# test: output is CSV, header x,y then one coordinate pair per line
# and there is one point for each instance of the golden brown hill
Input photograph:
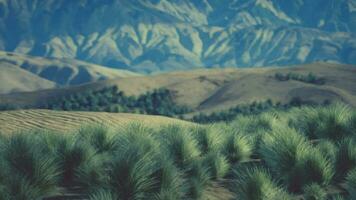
x,y
28,73
216,89
64,122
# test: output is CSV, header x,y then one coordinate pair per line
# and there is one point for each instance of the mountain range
x,y
150,36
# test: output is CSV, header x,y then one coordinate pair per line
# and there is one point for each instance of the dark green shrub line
x,y
156,102
251,109
310,78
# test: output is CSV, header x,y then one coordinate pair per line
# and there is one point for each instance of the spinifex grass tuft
x,y
218,165
209,139
136,164
99,137
255,183
311,167
34,172
280,150
180,145
71,155
331,122
314,192
172,185
351,184
345,157
237,148
328,149
103,195
292,158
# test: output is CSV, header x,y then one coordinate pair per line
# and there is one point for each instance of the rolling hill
x,y
28,73
212,90
166,35
64,122
15,79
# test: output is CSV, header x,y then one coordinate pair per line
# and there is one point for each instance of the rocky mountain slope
x,y
165,35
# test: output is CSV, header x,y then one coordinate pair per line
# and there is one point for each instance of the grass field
x,y
305,153
62,121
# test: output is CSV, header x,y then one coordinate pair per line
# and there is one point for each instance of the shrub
x,y
310,78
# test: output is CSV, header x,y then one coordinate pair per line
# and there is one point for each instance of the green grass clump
x,y
172,185
328,149
351,184
330,122
237,148
103,195
131,175
314,192
198,179
218,165
255,124
98,137
345,157
290,156
180,145
33,172
71,154
280,149
209,139
311,167
254,183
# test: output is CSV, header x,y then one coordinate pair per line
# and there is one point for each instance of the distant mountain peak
x,y
165,35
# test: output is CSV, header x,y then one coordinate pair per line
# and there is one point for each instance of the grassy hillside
x,y
306,153
213,90
62,72
15,79
65,122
